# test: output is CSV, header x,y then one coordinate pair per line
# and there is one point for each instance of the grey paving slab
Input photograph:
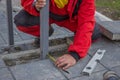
x,y
16,37
111,29
2,5
5,74
76,70
3,22
95,76
100,17
1,40
37,74
3,26
25,36
81,78
111,57
41,70
116,70
22,35
60,32
2,64
98,75
15,5
4,38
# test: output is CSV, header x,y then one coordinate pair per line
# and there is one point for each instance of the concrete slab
x,y
98,75
41,70
2,64
95,76
3,21
22,35
111,29
25,36
76,70
5,74
17,38
100,17
60,32
1,41
111,57
116,70
2,5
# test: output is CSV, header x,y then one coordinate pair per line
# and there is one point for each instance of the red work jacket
x,y
82,24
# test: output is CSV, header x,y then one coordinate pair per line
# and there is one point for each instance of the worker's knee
x,y
96,33
23,18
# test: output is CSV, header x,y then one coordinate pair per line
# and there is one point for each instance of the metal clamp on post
x,y
93,62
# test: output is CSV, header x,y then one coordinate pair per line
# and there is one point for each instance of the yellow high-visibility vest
x,y
61,3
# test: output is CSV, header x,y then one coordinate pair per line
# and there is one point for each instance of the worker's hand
x,y
40,4
65,61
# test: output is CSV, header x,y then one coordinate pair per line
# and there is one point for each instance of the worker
x,y
110,75
75,15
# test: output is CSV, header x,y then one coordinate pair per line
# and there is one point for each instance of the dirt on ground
x,y
110,8
113,14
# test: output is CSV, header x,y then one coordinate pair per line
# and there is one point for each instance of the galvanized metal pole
x,y
44,30
10,22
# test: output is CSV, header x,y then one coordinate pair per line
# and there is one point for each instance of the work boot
x,y
110,75
36,42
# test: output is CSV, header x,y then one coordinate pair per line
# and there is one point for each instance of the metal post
x,y
44,30
10,22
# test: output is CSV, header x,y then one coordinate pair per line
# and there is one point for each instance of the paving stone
x,y
116,70
5,37
1,41
98,75
111,29
111,57
100,17
81,78
2,64
3,21
94,76
22,36
17,38
60,32
76,70
2,5
25,36
41,70
5,74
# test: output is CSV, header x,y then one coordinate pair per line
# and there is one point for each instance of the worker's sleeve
x,y
28,5
86,21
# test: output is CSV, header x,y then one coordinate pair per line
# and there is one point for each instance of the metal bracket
x,y
93,62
